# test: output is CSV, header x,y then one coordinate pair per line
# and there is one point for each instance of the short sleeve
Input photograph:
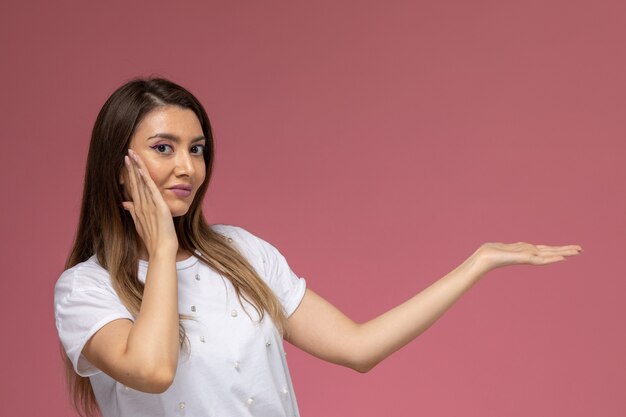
x,y
273,267
288,287
83,304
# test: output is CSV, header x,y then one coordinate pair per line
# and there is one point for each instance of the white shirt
x,y
236,366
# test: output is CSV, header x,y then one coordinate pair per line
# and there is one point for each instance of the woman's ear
x,y
121,181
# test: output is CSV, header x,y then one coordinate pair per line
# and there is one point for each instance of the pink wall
x,y
377,146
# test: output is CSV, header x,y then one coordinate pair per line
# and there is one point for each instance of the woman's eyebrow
x,y
174,138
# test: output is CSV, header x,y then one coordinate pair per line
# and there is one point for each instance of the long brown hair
x,y
108,231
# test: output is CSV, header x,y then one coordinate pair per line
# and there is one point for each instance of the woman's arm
x,y
144,355
320,329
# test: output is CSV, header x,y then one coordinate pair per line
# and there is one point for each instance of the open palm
x,y
496,255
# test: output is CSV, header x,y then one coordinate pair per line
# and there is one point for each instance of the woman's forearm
x,y
385,334
324,331
153,340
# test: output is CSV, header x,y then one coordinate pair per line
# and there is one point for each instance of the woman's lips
x,y
180,192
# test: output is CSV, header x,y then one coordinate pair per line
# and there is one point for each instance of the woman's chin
x,y
179,211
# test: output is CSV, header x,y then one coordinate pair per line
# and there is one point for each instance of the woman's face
x,y
170,142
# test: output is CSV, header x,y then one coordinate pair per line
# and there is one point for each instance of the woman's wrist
x,y
478,263
164,253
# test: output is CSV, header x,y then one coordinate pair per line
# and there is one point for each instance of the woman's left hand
x,y
496,255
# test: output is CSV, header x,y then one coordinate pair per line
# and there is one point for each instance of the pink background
x,y
377,145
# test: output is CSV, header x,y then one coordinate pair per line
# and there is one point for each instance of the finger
x,y
564,251
539,258
550,259
143,179
556,248
545,250
145,189
141,189
133,186
130,189
152,192
578,247
137,171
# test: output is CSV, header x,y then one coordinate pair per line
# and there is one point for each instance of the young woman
x,y
161,314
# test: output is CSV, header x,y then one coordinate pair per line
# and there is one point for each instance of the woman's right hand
x,y
152,217
143,353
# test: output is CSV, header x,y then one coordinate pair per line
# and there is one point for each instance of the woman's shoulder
x,y
230,230
237,234
249,242
84,276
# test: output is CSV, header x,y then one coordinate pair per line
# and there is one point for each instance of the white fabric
x,y
236,366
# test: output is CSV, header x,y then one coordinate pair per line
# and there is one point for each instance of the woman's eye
x,y
161,148
197,149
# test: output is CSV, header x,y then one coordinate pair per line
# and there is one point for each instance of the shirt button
x,y
250,401
268,343
236,365
193,308
233,313
230,240
202,339
197,277
285,390
181,405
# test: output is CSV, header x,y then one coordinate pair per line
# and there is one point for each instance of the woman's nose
x,y
184,164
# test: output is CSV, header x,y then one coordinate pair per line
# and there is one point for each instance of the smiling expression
x,y
170,142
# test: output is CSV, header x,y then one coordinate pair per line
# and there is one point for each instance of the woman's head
x,y
170,142
170,130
